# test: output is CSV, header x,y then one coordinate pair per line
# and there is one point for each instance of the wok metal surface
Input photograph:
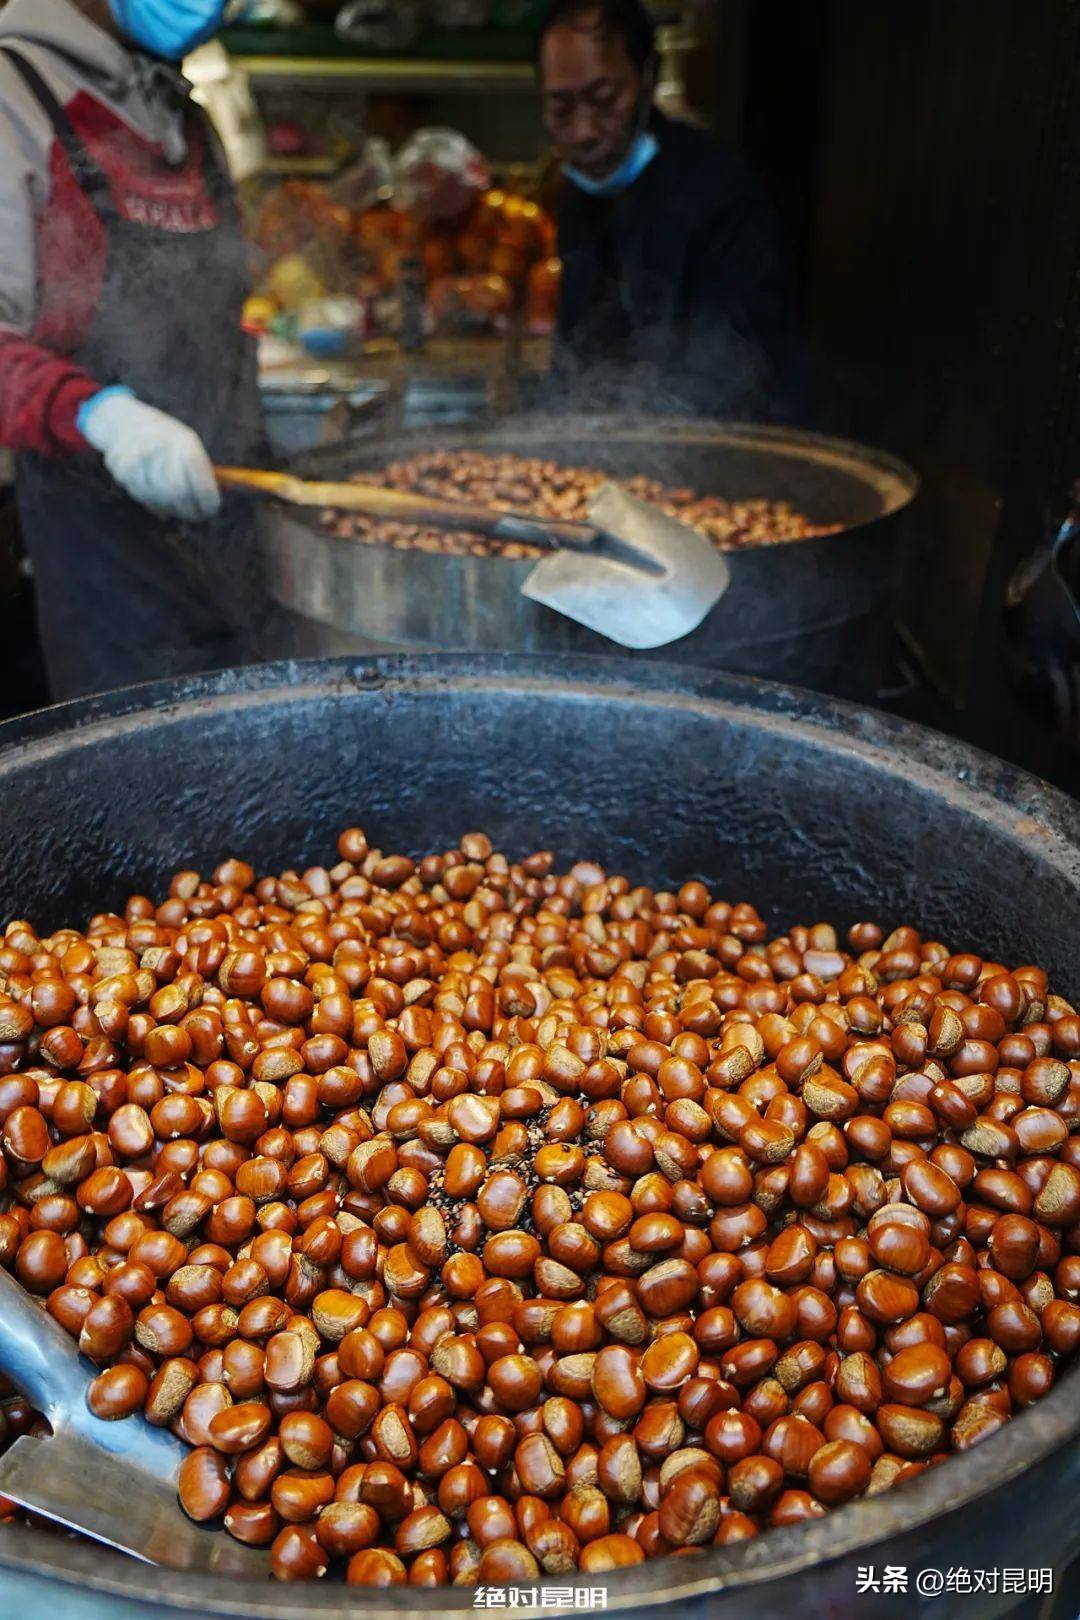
x,y
113,1481
808,611
811,808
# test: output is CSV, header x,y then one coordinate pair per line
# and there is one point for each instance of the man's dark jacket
x,y
675,292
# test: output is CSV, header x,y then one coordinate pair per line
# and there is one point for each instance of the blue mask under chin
x,y
168,28
644,148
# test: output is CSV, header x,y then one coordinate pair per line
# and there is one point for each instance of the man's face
x,y
592,95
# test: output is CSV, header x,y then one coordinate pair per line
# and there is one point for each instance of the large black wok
x,y
814,611
812,809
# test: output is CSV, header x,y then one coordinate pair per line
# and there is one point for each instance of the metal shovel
x,y
632,573
607,587
114,1482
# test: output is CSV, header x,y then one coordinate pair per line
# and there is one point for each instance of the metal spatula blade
x,y
114,1482
650,580
73,1482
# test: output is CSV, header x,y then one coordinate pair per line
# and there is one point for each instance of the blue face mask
x,y
644,148
168,28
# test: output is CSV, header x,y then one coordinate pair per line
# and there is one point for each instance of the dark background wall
x,y
926,158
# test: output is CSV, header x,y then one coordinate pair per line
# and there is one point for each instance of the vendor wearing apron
x,y
124,369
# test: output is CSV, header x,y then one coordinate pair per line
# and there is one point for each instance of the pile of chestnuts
x,y
545,489
474,1222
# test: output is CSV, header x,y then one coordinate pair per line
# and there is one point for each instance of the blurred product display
x,y
438,176
374,136
483,252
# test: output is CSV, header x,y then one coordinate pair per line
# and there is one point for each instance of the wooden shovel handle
x,y
402,506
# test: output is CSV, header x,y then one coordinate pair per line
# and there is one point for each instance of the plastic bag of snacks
x,y
438,175
368,181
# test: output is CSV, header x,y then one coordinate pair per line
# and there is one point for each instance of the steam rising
x,y
740,384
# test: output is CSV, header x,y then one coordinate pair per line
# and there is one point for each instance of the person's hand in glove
x,y
159,461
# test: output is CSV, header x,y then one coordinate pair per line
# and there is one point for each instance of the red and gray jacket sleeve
x,y
41,390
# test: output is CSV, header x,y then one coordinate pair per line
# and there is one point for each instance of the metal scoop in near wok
x,y
114,1482
631,573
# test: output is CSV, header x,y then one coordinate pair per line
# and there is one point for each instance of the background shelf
x,y
503,55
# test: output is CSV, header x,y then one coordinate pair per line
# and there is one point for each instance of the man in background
x,y
674,293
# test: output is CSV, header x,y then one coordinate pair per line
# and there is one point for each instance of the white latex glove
x,y
159,462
